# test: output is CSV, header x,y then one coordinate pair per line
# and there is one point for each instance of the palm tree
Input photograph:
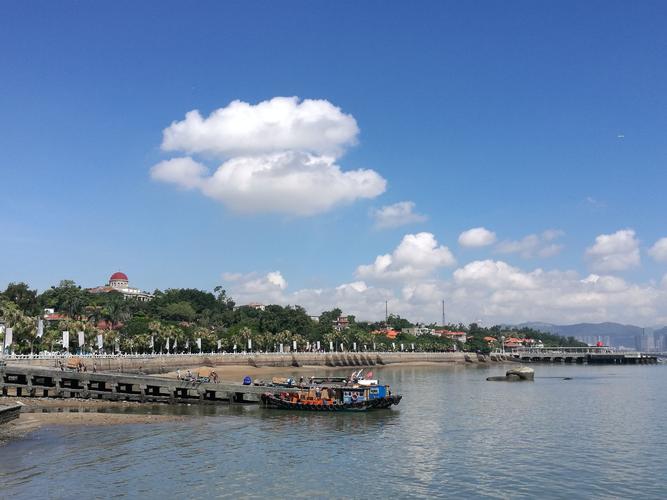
x,y
24,327
74,305
157,330
116,311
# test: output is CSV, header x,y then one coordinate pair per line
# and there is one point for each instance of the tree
x,y
116,311
178,311
24,328
24,298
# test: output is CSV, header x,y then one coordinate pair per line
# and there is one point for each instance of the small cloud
x,y
659,250
615,252
396,215
255,287
418,255
477,237
533,245
594,203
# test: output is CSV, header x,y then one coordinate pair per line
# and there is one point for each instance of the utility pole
x,y
443,313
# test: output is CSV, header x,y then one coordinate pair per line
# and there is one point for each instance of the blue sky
x,y
517,117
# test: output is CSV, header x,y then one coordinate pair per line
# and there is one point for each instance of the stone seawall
x,y
168,363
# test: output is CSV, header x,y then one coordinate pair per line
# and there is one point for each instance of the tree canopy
x,y
182,315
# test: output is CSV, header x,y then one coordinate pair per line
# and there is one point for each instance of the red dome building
x,y
119,280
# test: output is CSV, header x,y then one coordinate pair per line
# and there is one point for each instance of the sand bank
x,y
86,414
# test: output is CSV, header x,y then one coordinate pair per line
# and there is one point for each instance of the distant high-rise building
x,y
646,341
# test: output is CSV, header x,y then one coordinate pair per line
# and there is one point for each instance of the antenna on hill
x,y
443,313
386,312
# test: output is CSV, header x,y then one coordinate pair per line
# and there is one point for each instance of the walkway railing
x,y
560,350
242,354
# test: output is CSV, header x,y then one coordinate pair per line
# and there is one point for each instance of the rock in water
x,y
515,375
523,372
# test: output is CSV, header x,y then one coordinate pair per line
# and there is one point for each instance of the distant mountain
x,y
619,335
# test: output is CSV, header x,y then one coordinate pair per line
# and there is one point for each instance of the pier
x,y
31,381
581,355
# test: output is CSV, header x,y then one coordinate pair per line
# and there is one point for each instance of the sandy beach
x,y
235,373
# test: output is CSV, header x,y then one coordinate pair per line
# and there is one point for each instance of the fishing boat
x,y
329,394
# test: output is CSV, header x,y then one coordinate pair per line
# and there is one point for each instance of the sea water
x,y
600,434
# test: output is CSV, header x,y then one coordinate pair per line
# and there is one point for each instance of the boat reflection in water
x,y
332,394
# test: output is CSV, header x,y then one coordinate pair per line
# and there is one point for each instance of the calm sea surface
x,y
602,434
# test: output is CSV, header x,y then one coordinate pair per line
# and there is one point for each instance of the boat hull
x,y
272,401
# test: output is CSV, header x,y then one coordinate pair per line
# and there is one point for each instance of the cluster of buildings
x,y
651,340
418,331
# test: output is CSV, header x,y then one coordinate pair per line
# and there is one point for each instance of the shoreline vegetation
x,y
185,320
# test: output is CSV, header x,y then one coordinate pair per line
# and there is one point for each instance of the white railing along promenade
x,y
242,354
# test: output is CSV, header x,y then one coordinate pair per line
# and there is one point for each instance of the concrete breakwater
x,y
9,413
32,381
152,364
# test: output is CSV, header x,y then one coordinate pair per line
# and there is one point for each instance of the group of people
x,y
190,377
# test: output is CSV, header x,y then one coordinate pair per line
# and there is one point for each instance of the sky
x,y
505,157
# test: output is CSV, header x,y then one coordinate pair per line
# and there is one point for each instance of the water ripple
x,y
455,435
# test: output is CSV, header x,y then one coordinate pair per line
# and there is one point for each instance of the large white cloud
x,y
615,252
280,156
291,183
279,124
396,215
418,255
489,291
533,245
659,250
477,237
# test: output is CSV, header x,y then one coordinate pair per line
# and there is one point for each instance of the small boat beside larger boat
x,y
334,394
